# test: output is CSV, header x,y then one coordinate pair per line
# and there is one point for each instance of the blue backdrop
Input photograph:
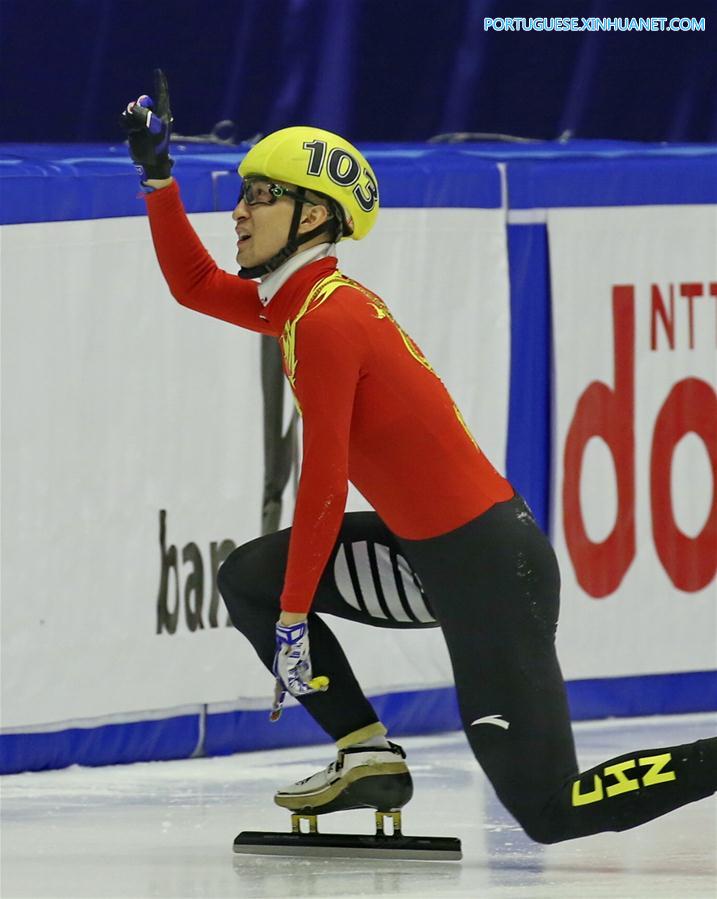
x,y
373,69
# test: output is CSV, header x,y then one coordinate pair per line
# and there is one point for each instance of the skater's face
x,y
263,217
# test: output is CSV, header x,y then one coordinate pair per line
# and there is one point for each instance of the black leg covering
x,y
494,587
250,581
625,792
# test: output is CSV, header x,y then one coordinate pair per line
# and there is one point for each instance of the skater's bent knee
x,y
242,583
224,575
237,571
541,827
541,832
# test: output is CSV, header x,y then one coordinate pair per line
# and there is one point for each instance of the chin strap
x,y
292,245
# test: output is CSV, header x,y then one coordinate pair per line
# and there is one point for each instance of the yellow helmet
x,y
324,163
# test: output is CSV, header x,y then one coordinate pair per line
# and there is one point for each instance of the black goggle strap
x,y
276,190
336,213
325,227
299,200
299,194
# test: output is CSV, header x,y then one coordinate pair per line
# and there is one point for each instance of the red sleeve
x,y
327,373
193,277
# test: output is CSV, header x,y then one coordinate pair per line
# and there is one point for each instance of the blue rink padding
x,y
683,179
42,183
62,182
653,694
174,737
404,714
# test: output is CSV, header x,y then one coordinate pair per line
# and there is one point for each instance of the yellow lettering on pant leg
x,y
622,783
656,775
586,798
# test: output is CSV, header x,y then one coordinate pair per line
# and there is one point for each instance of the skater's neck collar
x,y
271,283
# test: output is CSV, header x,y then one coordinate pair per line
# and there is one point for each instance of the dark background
x,y
370,69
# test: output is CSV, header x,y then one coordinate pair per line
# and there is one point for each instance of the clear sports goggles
x,y
259,192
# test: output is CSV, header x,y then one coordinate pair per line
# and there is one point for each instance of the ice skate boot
x,y
360,777
375,777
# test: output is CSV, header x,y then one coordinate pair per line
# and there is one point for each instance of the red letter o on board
x,y
690,562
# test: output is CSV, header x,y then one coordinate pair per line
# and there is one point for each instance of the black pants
x,y
493,588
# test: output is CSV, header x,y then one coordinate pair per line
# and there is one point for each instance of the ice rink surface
x,y
165,829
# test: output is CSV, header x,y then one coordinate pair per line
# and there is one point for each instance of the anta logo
x,y
498,720
622,777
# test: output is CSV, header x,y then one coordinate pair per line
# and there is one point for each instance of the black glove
x,y
148,123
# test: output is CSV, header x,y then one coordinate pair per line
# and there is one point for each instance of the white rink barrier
x,y
636,429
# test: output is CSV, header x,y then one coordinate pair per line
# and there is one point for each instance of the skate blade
x,y
339,845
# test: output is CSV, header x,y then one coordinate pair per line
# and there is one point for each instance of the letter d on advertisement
x,y
607,413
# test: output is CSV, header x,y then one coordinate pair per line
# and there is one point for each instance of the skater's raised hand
x,y
292,665
148,123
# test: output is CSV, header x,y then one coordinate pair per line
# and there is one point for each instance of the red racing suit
x,y
374,411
